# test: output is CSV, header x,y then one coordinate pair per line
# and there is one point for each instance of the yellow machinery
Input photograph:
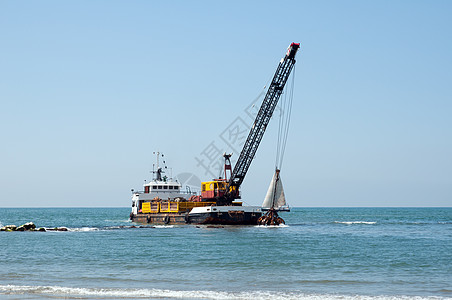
x,y
171,206
216,189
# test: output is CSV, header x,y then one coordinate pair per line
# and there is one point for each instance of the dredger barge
x,y
164,201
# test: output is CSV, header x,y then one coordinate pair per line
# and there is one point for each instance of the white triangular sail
x,y
275,193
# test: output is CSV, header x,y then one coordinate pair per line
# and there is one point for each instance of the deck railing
x,y
171,206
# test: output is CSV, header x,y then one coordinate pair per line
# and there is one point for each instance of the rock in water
x,y
9,228
29,226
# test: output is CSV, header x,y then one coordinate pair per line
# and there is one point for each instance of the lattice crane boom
x,y
260,123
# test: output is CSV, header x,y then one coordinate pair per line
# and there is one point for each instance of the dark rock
x,y
25,227
29,226
57,229
9,228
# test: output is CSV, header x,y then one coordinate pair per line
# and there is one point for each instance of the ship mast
x,y
158,172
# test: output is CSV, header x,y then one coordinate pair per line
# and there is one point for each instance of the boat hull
x,y
224,219
215,215
160,218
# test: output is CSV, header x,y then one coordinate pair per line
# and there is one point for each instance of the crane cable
x,y
284,122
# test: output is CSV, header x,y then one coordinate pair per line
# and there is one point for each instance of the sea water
x,y
322,253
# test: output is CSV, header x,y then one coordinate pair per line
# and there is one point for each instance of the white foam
x,y
355,222
272,226
58,291
163,226
83,229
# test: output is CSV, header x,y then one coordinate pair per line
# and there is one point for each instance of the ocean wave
x,y
272,226
99,293
103,228
162,226
355,222
84,229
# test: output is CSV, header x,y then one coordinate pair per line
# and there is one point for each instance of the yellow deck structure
x,y
171,206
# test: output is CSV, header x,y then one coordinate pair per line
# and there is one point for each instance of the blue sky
x,y
89,89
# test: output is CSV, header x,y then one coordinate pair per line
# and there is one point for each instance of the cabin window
x,y
146,189
165,187
203,187
159,187
176,187
154,187
170,187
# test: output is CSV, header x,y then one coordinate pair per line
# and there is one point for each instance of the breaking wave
x,y
272,226
106,228
162,226
355,222
100,293
84,229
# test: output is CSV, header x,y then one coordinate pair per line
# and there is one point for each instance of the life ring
x,y
166,219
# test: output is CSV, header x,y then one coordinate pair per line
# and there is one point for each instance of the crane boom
x,y
260,123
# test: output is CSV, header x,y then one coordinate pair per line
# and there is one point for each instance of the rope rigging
x,y
271,217
285,112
